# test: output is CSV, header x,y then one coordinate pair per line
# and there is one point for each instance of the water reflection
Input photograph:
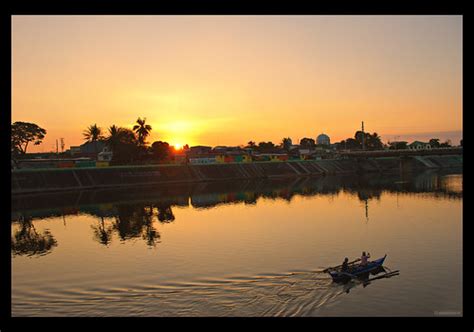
x,y
27,241
131,213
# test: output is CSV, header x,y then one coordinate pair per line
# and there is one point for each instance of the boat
x,y
355,271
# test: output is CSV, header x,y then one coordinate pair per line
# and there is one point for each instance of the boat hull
x,y
339,276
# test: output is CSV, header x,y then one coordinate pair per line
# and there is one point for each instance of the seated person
x,y
364,259
345,265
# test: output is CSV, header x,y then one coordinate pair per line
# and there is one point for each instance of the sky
x,y
228,80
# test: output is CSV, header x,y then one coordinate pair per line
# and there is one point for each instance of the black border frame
x,y
231,7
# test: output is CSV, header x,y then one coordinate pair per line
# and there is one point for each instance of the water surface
x,y
241,248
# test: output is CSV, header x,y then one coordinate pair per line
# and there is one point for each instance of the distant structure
x,y
323,139
417,145
363,136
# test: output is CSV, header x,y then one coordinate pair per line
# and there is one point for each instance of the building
x,y
417,145
398,145
199,149
323,139
74,150
105,155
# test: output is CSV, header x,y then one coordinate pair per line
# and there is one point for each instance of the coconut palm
x,y
93,133
115,136
142,129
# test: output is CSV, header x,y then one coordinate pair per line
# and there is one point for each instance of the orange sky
x,y
225,80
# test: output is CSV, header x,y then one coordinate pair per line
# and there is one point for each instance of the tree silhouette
x,y
434,142
445,144
251,144
266,146
22,133
165,214
142,129
160,150
136,220
114,138
286,143
125,146
27,241
307,143
101,233
93,133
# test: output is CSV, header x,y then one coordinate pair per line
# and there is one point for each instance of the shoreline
x,y
28,181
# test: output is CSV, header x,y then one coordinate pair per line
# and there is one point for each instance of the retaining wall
x,y
30,181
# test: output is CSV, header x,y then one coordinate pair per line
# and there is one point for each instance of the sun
x,y
178,146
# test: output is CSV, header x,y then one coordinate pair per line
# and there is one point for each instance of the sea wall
x,y
49,180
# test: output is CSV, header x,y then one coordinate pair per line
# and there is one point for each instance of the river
x,y
241,248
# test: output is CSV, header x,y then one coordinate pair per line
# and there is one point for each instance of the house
x,y
202,159
271,157
74,150
199,149
417,145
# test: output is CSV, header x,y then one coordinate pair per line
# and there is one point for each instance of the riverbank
x,y
67,179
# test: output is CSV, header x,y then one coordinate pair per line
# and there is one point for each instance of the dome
x,y
323,139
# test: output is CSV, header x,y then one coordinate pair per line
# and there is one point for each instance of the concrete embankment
x,y
30,181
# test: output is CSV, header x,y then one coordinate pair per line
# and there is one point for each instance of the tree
x,y
399,145
114,138
460,142
27,241
374,142
251,144
370,141
22,133
160,150
93,133
446,144
102,233
352,144
307,143
265,146
142,129
434,142
286,143
126,149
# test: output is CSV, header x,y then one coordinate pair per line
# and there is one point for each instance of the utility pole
x,y
56,146
62,145
363,136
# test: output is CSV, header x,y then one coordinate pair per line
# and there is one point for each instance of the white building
x,y
323,139
105,155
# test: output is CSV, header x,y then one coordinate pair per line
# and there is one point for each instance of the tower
x,y
363,136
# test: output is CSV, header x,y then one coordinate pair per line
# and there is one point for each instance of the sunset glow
x,y
226,80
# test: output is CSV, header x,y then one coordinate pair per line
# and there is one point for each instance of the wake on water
x,y
297,293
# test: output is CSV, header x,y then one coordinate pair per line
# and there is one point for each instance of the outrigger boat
x,y
354,271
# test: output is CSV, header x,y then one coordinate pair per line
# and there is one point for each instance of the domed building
x,y
323,139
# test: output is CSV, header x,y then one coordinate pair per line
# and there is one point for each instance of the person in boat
x,y
364,259
345,265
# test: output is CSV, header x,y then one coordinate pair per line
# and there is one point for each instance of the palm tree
x,y
115,135
142,130
93,134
